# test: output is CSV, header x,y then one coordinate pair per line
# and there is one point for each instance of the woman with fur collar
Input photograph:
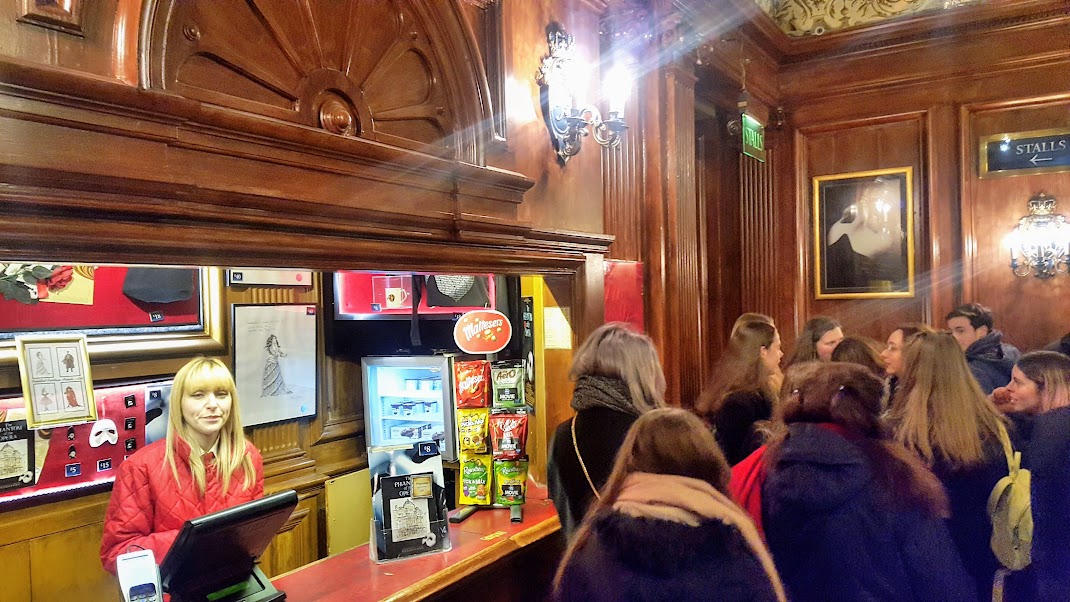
x,y
664,527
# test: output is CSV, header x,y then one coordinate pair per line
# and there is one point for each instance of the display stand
x,y
408,502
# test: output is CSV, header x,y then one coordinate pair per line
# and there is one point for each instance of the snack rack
x,y
492,423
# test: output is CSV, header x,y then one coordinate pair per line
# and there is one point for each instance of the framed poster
x,y
275,361
864,235
56,384
125,312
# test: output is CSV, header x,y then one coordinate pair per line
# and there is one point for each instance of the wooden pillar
x,y
677,309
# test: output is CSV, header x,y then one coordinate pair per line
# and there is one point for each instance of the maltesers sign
x,y
482,331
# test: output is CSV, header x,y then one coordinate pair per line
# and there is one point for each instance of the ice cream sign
x,y
482,331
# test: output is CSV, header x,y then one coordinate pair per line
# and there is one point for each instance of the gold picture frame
x,y
864,234
152,342
57,385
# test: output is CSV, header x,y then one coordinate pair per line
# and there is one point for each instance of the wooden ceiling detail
x,y
401,72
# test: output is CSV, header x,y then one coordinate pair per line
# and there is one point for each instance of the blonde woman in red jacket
x,y
205,464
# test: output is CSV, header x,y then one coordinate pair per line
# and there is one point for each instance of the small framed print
x,y
56,384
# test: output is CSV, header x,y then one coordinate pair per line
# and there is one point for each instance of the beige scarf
x,y
690,501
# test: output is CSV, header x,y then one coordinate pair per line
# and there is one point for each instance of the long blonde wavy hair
x,y
939,410
203,373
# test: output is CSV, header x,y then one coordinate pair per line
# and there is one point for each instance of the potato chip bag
x,y
508,433
472,380
507,379
475,479
472,430
510,482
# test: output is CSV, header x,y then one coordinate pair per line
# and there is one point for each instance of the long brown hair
x,y
860,350
939,410
667,441
741,369
751,316
1051,372
208,374
852,397
806,344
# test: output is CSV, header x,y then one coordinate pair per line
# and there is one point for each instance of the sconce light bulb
x,y
617,85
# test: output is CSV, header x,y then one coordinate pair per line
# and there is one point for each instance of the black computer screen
x,y
219,549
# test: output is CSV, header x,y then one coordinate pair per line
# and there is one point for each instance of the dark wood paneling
x,y
718,187
759,232
565,197
622,185
991,209
676,237
851,147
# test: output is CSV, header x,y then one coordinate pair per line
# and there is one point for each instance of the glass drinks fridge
x,y
409,399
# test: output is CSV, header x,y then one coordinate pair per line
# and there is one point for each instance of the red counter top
x,y
478,542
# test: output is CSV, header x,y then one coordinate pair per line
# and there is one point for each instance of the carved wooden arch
x,y
400,72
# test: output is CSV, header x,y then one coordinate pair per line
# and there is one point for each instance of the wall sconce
x,y
568,118
1041,242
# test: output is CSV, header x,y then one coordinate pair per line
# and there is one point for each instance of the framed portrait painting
x,y
864,235
57,387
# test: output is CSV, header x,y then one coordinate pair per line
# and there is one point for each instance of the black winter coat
x,y
735,422
970,526
628,558
991,361
835,536
600,433
1047,456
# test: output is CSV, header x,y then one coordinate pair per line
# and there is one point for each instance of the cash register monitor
x,y
214,556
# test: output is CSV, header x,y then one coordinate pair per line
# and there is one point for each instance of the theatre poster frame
x,y
209,338
830,193
40,359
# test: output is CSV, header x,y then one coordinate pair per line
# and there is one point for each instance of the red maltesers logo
x,y
482,331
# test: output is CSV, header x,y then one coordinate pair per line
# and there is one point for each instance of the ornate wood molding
x,y
414,80
144,162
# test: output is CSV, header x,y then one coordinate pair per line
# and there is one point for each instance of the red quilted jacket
x,y
148,507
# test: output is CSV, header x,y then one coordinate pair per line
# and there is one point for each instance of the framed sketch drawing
x,y
56,384
864,235
275,361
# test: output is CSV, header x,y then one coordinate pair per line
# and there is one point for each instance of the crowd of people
x,y
849,471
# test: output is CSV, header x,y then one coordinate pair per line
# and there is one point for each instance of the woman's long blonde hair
x,y
1051,372
208,374
614,350
939,410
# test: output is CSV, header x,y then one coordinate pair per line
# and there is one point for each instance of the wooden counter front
x,y
490,555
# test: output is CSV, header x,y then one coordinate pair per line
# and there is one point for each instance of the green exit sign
x,y
753,138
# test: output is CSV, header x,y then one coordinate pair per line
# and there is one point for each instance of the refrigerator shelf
x,y
412,394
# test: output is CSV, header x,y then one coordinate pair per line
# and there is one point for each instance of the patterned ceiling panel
x,y
815,17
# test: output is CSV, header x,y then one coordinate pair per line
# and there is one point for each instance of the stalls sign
x,y
1041,151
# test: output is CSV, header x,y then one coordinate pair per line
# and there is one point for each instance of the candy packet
x,y
508,433
472,379
472,430
475,479
510,482
507,379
